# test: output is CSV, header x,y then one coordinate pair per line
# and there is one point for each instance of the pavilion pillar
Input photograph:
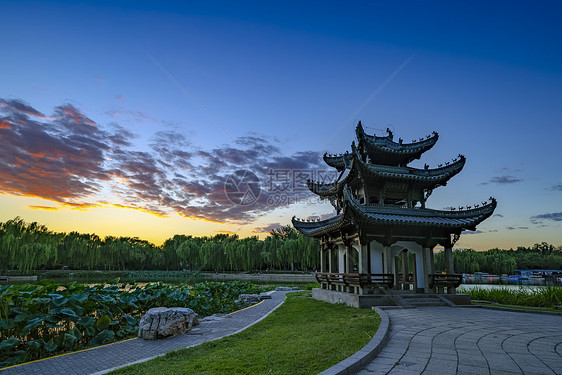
x,y
420,271
330,255
389,264
376,256
414,271
396,273
364,263
349,259
387,260
323,258
431,260
449,266
405,285
368,251
341,259
341,265
426,268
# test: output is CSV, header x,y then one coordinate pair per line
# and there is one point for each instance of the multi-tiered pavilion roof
x,y
376,188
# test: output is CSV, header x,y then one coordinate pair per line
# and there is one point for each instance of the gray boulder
x,y
248,299
265,296
162,322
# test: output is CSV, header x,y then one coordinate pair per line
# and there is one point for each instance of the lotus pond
x,y
48,318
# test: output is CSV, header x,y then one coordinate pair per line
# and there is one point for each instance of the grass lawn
x,y
546,297
517,306
303,336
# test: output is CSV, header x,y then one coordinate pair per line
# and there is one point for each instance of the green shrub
x,y
48,318
538,297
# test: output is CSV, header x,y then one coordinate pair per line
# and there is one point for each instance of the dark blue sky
x,y
201,88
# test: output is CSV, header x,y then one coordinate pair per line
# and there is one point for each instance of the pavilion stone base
x,y
370,300
351,299
458,299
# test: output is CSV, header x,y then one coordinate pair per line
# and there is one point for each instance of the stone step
x,y
432,303
421,300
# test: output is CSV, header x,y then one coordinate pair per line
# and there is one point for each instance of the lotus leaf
x,y
34,345
63,311
50,346
9,343
86,321
103,337
69,340
103,322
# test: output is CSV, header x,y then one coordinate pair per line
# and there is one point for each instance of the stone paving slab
x,y
102,359
444,340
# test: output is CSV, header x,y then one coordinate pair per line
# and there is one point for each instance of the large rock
x,y
162,322
265,295
248,299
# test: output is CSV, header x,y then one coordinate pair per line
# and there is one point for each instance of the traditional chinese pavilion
x,y
383,236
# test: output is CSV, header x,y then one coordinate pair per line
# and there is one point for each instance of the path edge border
x,y
363,357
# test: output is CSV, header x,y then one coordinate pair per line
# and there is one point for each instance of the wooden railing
x,y
356,279
442,280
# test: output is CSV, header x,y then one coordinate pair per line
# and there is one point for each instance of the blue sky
x,y
196,90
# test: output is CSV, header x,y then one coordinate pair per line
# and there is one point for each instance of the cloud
x,y
471,232
18,106
229,232
70,159
498,215
61,158
502,180
514,228
268,228
46,208
538,219
557,187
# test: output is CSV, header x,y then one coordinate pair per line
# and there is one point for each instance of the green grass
x,y
303,336
516,307
548,297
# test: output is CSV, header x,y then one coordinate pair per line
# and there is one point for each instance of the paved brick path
x,y
99,360
444,340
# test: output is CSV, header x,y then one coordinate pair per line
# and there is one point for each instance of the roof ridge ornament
x,y
365,207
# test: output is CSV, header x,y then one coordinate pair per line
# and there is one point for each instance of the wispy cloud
x,y
18,106
539,219
46,208
503,180
267,228
70,159
557,187
472,232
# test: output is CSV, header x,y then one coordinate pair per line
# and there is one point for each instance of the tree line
x,y
26,246
499,261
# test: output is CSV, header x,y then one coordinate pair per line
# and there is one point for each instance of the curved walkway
x,y
463,341
109,357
